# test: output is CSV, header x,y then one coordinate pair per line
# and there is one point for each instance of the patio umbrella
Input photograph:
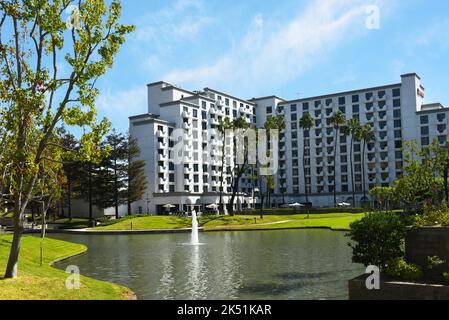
x,y
212,206
295,205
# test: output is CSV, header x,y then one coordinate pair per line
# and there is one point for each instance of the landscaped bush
x,y
378,238
446,277
400,269
433,215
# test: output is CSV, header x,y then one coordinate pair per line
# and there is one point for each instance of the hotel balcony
x,y
162,181
186,126
187,170
161,145
381,97
213,111
160,134
162,157
187,181
384,169
162,169
186,114
442,131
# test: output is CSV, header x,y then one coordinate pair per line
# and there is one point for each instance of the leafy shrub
x,y
433,215
434,262
378,238
400,269
446,277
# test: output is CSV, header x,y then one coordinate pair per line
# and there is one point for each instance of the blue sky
x,y
289,48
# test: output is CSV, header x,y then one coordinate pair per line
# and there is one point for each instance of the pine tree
x,y
137,182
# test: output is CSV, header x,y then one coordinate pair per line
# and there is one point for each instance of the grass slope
x,y
247,222
47,283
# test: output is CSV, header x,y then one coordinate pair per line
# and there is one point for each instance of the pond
x,y
296,264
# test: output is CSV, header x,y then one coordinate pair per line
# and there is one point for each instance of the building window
x,y
396,92
342,101
442,139
294,117
369,96
318,104
425,141
424,131
269,110
396,103
355,98
424,119
305,106
355,108
397,113
294,108
397,123
441,117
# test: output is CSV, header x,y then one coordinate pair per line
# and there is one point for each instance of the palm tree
x,y
354,129
367,135
305,123
224,125
239,169
337,120
273,123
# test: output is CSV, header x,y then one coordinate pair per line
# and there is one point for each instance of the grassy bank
x,y
240,222
47,283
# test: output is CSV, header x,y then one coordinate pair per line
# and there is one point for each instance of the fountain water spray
x,y
195,240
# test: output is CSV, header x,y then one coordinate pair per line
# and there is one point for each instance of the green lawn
x,y
249,222
47,283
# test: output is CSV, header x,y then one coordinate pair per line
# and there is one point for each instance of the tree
x,y
118,158
137,182
69,143
239,124
224,125
305,123
36,96
421,183
367,135
384,196
354,129
337,121
378,239
272,123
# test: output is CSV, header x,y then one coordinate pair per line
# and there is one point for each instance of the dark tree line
x,y
118,179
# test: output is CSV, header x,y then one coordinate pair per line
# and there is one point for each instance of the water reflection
x,y
313,264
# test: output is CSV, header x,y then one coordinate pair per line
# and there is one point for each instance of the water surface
x,y
297,264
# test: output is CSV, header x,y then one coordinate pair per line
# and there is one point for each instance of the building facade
x,y
396,112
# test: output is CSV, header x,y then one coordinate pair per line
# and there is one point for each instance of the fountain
x,y
194,241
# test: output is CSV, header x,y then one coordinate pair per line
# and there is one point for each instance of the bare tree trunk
x,y
352,171
69,199
13,261
116,189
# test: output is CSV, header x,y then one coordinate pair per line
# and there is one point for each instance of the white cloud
x,y
124,102
184,19
269,56
258,20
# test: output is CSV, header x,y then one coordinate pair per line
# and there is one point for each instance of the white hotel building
x,y
397,113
